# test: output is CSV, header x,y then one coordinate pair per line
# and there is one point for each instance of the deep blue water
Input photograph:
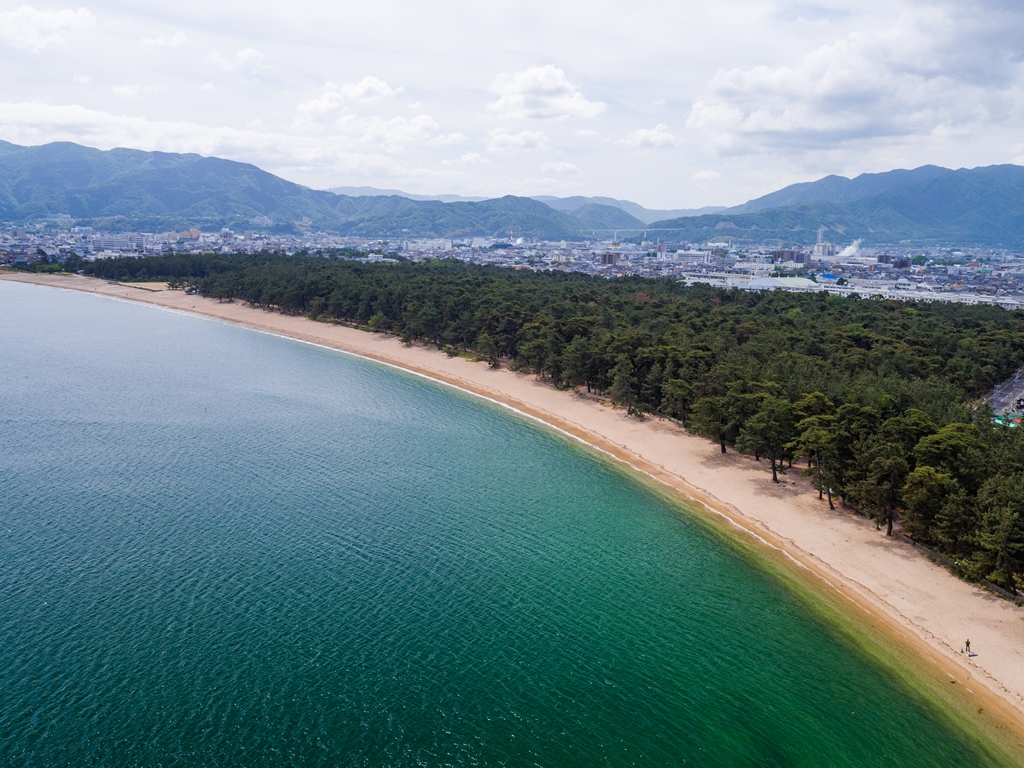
x,y
219,547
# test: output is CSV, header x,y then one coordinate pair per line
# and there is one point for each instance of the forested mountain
x,y
564,204
880,400
124,189
377,192
594,216
518,216
644,215
131,189
839,189
127,188
979,206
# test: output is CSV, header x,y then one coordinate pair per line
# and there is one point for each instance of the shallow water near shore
x,y
219,547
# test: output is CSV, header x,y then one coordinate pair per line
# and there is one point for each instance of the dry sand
x,y
897,586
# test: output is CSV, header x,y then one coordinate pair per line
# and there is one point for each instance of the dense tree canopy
x,y
879,397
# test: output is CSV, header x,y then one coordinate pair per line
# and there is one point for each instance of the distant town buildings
x,y
983,276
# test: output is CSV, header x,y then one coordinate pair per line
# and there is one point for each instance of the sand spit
x,y
915,601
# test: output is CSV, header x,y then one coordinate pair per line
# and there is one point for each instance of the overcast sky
x,y
678,104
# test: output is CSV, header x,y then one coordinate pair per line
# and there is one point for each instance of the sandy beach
x,y
899,590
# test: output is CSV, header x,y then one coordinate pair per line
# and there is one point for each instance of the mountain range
x,y
571,205
128,189
925,206
376,192
124,189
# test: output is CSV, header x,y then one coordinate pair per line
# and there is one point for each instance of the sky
x,y
672,105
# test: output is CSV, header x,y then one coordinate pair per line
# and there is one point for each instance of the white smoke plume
x,y
851,250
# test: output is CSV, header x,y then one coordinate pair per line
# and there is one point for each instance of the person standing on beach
x,y
968,645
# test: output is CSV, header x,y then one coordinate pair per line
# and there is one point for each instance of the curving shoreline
x,y
909,600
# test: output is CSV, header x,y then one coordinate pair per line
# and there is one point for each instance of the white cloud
x,y
35,123
936,71
328,114
531,186
368,89
321,109
83,79
134,91
385,134
448,139
169,41
888,83
704,176
334,99
652,138
560,167
541,92
807,12
249,59
470,158
34,30
502,141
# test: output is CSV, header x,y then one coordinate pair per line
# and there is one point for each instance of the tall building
x,y
824,250
787,254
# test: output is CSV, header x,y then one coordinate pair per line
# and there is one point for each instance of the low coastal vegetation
x,y
879,402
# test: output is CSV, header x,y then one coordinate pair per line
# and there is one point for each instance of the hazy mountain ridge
x,y
565,204
977,206
91,184
643,215
499,218
127,189
123,189
377,192
839,189
594,216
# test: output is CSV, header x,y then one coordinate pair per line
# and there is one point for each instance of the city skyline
x,y
672,107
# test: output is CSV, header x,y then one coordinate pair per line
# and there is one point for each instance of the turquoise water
x,y
219,547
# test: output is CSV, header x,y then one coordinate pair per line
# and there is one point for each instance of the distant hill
x,y
977,206
839,189
122,189
520,216
643,215
127,189
594,216
377,192
564,204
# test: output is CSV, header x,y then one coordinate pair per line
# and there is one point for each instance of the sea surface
x,y
224,548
